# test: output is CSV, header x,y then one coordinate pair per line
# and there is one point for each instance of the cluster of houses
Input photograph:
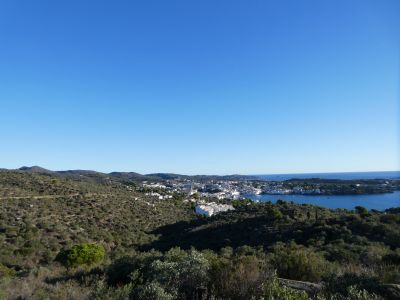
x,y
219,190
225,189
159,196
205,194
298,190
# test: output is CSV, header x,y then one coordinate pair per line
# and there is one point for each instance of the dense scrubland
x,y
67,236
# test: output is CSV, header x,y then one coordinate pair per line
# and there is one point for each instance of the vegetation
x,y
82,255
94,237
345,187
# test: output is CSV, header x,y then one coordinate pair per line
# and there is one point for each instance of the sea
x,y
344,176
371,201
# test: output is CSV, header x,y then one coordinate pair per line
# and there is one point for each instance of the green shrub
x,y
353,286
393,258
118,273
298,263
361,210
6,272
354,293
181,272
275,291
238,277
82,255
275,213
151,291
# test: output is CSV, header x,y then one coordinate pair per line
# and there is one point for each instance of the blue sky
x,y
200,87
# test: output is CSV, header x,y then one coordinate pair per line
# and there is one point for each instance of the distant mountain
x,y
89,175
129,176
34,169
171,176
167,176
81,172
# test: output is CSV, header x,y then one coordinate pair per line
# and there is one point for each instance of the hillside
x,y
160,247
41,213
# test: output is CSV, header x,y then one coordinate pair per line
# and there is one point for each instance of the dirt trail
x,y
51,196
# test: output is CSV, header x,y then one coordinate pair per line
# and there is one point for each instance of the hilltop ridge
x,y
133,176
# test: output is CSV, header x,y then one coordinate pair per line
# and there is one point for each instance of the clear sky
x,y
200,87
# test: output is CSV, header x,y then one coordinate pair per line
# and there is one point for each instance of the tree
x,y
361,210
151,291
82,255
275,213
181,273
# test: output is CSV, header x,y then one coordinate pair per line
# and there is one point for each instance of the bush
x,y
361,210
393,258
239,277
6,272
182,273
273,290
275,213
118,273
354,293
297,263
151,291
353,286
82,255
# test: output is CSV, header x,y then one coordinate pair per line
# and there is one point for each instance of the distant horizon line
x,y
345,172
199,174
